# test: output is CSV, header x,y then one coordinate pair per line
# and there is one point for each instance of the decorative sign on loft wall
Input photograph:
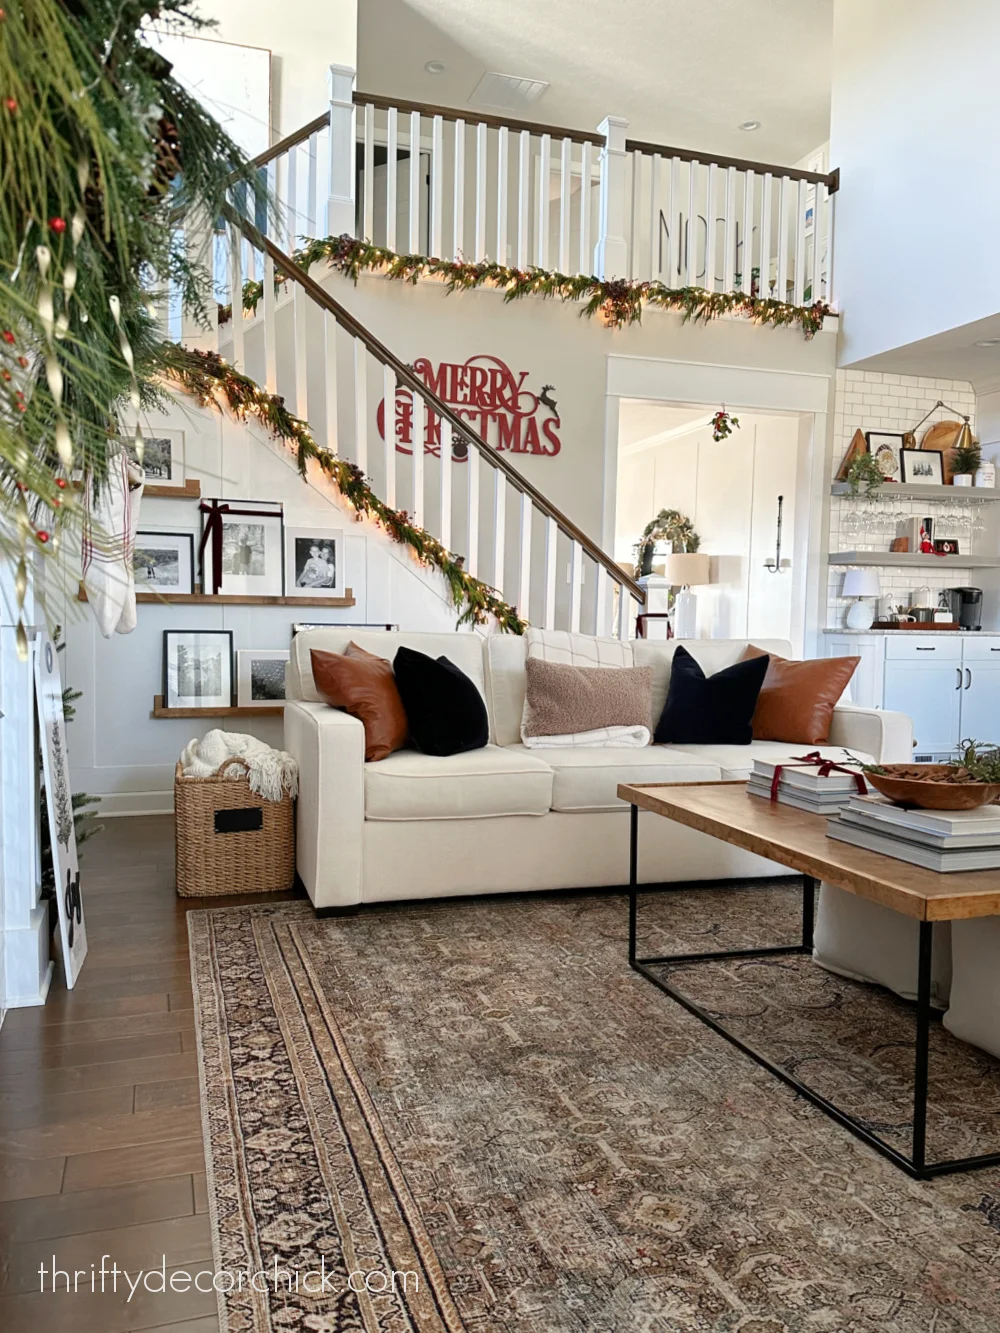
x,y
494,400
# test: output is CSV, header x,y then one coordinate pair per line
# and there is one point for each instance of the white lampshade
x,y
861,583
686,568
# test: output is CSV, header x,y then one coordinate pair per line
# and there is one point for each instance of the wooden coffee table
x,y
797,839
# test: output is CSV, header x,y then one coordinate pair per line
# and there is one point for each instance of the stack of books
x,y
803,787
941,840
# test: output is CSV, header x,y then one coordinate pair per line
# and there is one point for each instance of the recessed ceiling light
x,y
435,67
749,125
988,342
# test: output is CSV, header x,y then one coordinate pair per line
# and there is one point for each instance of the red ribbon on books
x,y
826,766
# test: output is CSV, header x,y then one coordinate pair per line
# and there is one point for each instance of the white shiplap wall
x,y
871,400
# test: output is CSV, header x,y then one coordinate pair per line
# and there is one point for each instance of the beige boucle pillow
x,y
562,699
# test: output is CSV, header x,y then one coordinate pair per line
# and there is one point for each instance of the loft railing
x,y
370,408
436,180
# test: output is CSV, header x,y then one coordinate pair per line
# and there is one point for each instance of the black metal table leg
x,y
809,886
633,876
925,950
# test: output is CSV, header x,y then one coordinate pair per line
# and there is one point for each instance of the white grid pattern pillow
x,y
560,645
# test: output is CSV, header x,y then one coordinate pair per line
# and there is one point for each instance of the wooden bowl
x,y
924,785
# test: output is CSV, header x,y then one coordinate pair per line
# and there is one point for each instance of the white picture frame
x,y
253,550
314,562
163,456
164,561
59,804
259,683
198,668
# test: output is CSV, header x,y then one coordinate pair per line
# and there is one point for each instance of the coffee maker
x,y
966,606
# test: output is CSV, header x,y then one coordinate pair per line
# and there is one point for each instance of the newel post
x,y
611,251
341,208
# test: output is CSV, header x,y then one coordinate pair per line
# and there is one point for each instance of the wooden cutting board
x,y
942,435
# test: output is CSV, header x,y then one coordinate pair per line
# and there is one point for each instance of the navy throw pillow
x,y
710,710
445,712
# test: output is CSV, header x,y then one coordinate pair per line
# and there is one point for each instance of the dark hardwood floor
x,y
100,1126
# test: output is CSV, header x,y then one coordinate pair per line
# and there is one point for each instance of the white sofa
x,y
505,818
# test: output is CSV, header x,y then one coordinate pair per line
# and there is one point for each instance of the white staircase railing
x,y
371,409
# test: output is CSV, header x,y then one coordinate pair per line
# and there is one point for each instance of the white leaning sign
x,y
62,833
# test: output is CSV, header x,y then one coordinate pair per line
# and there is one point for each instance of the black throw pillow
x,y
444,709
710,710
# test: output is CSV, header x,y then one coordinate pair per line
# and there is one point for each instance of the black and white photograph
x,y
260,677
162,456
314,562
886,448
246,538
198,668
923,467
300,626
164,562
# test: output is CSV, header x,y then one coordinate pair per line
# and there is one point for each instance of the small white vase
x,y
860,614
987,474
962,479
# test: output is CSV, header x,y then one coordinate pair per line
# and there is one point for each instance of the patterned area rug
x,y
473,1116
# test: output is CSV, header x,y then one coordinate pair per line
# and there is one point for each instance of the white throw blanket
x,y
602,738
270,773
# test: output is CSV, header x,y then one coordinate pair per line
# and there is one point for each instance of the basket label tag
x,y
239,821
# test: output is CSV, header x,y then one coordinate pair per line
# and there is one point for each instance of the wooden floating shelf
x,y
914,559
191,490
266,710
900,490
206,599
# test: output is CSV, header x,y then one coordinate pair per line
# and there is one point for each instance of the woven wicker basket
x,y
228,840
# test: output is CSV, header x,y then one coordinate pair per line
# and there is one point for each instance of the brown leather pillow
x,y
363,685
797,699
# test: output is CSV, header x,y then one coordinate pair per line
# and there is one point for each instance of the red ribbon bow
x,y
826,766
214,509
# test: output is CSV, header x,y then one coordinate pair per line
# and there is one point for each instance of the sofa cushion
x,y
797,699
714,710
445,710
363,686
587,779
735,762
478,784
562,700
464,649
711,655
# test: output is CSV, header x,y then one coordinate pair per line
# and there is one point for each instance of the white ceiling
x,y
952,355
683,72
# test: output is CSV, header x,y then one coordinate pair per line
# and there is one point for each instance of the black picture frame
x,y
223,698
914,473
947,546
145,585
882,443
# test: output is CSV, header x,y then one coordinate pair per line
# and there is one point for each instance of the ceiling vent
x,y
507,92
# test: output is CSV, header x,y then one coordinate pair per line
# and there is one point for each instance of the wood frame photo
x,y
923,467
250,536
260,690
886,447
314,562
151,561
186,682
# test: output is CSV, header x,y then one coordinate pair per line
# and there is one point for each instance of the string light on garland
x,y
618,302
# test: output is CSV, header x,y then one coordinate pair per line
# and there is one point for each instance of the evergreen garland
x,y
617,301
207,377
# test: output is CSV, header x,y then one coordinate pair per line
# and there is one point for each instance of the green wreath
x,y
669,525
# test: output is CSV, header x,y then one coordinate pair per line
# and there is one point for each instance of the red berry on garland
x,y
6,375
57,225
11,104
61,483
7,336
22,361
42,535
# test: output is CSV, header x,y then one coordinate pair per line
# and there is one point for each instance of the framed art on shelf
x,y
923,467
300,626
260,677
886,447
946,546
164,561
314,562
198,668
162,457
242,548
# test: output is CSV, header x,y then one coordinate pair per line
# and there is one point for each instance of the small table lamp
x,y
683,570
860,584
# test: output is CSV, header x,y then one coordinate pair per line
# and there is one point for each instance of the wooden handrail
x,y
290,141
831,179
473,117
438,406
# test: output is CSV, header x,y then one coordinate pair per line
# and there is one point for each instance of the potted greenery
x,y
965,460
865,472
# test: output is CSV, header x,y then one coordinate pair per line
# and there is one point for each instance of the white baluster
x,y
675,217
524,568
270,329
575,586
236,296
299,304
437,187
503,164
634,262
602,605
368,215
389,434
341,208
709,282
551,568
611,250
624,613
765,235
291,202
819,216
472,551
360,404
422,416
392,154
414,245
444,528
586,264
499,527
542,226
481,160
524,201
330,380
459,195
798,277
784,191
654,217
729,260
745,265
565,187
691,233
312,169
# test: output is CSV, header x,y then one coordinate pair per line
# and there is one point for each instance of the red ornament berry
x,y
61,483
56,502
11,104
22,361
7,336
6,375
22,407
42,535
57,225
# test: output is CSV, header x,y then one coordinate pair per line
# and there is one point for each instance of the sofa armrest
x,y
888,737
330,749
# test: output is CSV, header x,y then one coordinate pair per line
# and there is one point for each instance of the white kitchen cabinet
x,y
930,692
980,718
